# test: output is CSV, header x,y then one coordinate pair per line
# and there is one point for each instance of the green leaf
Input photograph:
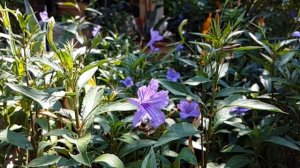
x,y
285,59
237,161
176,88
177,131
180,28
261,43
229,91
196,80
255,104
187,155
246,48
150,160
222,115
44,161
85,77
117,106
110,160
91,101
189,62
283,142
81,144
46,100
135,145
236,149
46,61
16,139
59,132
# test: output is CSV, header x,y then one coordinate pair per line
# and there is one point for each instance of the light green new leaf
x,y
283,142
177,131
150,160
44,161
16,139
110,160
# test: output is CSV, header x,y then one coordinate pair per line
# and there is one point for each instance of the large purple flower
x,y
154,38
44,16
127,81
239,111
149,104
296,34
172,75
188,109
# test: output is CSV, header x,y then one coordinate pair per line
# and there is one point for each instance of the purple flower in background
x,y
127,81
188,109
96,30
172,75
179,47
154,38
44,16
296,34
149,104
239,111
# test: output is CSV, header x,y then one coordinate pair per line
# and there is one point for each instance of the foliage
x,y
63,102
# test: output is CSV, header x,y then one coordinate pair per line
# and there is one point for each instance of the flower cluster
x,y
149,104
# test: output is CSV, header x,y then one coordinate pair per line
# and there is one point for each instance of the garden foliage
x,y
225,98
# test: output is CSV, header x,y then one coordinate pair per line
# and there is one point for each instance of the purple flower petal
x,y
44,16
149,105
172,75
127,82
296,34
188,109
239,111
179,47
96,30
154,38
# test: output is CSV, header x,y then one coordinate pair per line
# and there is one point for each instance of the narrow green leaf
x,y
150,160
135,145
196,80
177,131
110,160
255,104
117,106
237,161
90,101
44,161
283,142
85,77
187,155
176,88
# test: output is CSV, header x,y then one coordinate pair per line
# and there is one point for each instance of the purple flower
x,y
172,75
154,38
239,111
296,34
96,30
179,47
127,81
188,109
44,16
149,104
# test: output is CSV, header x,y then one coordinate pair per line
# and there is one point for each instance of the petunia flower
x,y
149,104
154,38
127,82
179,47
188,109
172,75
296,34
96,30
44,16
239,111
